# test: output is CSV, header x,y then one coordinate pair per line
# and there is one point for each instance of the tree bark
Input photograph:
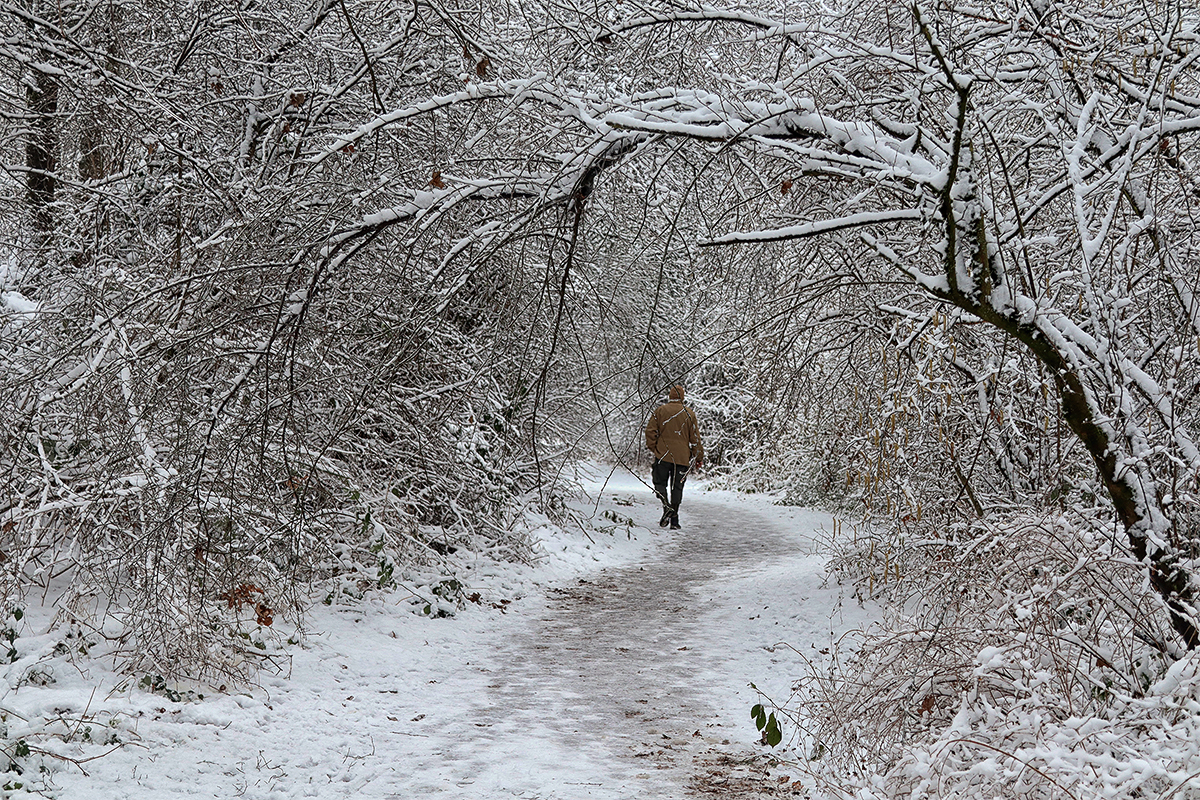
x,y
1170,580
41,148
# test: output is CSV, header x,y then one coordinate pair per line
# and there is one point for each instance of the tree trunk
x,y
41,147
1170,580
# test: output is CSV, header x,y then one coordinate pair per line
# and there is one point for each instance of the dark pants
x,y
664,472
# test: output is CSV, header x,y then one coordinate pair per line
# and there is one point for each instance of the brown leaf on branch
x,y
786,187
481,69
240,596
436,181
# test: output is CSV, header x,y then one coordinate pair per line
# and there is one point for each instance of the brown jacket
x,y
673,434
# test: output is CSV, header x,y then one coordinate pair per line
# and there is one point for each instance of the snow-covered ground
x,y
618,667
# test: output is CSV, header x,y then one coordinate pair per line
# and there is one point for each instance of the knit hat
x,y
676,392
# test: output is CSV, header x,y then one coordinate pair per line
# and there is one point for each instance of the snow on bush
x,y
1024,658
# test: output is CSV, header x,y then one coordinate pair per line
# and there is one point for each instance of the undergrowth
x,y
1023,658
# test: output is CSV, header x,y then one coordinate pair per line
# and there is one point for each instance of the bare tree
x,y
231,383
1025,167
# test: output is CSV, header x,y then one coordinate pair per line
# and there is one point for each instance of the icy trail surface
x,y
622,672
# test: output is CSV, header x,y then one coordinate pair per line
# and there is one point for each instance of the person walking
x,y
673,437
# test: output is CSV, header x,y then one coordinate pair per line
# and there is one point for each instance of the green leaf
x,y
774,737
757,710
774,734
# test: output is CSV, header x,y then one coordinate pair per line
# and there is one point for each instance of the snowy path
x,y
620,671
631,680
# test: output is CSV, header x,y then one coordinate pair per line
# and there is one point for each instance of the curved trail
x,y
625,670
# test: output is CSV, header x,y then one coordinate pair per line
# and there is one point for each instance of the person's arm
x,y
652,431
698,445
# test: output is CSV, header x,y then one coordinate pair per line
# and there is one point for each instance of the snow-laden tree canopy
x,y
1009,185
286,283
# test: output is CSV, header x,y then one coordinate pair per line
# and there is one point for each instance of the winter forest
x,y
298,299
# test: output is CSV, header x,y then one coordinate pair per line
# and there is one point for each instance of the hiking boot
x,y
675,522
666,517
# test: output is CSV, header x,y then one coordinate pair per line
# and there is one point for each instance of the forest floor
x,y
617,668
